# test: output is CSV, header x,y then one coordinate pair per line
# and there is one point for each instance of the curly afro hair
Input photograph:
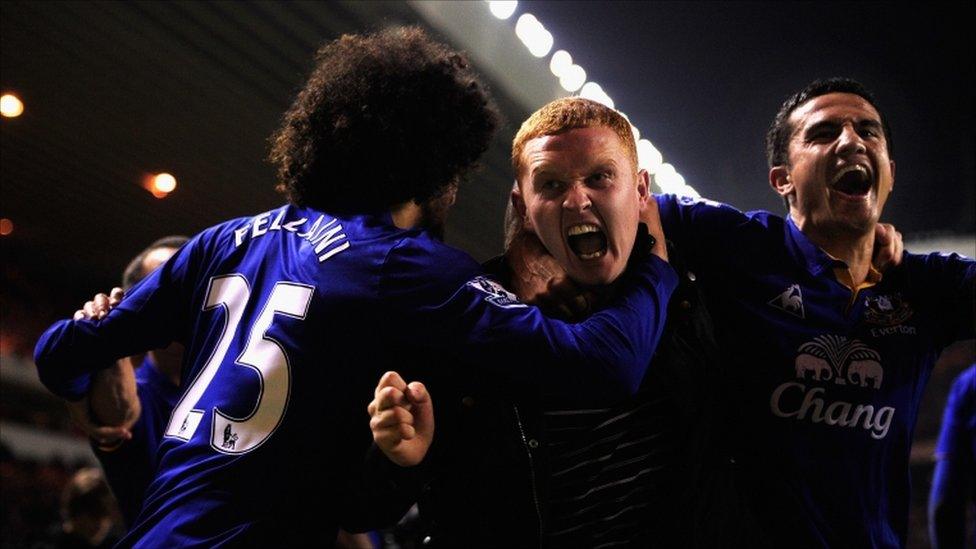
x,y
384,118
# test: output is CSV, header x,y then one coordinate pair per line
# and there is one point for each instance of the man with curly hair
x,y
288,316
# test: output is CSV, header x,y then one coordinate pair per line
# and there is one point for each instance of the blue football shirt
x,y
824,383
288,319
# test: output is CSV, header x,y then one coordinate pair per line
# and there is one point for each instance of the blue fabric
x,y
823,390
251,444
954,478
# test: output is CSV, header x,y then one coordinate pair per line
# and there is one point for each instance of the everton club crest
x,y
886,310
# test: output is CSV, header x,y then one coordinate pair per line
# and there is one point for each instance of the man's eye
x,y
600,177
550,185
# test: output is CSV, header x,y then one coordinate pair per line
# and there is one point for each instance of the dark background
x,y
115,91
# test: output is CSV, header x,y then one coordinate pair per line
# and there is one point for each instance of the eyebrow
x,y
831,124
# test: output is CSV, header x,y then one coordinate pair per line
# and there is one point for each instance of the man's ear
x,y
892,162
643,188
518,204
780,181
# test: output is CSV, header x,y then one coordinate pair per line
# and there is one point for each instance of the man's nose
x,y
849,142
577,199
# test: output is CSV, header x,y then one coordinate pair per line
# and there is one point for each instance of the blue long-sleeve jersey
x,y
288,319
825,383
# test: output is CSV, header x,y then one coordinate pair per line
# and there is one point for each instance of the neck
x,y
855,248
407,215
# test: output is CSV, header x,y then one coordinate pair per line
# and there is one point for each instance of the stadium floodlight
x,y
648,157
502,9
535,37
573,78
164,182
593,91
688,190
11,106
160,185
561,60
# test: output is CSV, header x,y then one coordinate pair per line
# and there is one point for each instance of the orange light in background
x,y
160,185
6,226
164,182
11,106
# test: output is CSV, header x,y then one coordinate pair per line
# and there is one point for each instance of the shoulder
x,y
417,260
944,268
938,260
711,214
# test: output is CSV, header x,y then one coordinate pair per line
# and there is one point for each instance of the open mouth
x,y
853,180
587,241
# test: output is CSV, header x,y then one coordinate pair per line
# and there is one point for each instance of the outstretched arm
x,y
107,412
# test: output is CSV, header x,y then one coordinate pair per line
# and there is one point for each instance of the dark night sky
x,y
703,80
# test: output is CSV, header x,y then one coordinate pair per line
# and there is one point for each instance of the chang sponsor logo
x,y
834,360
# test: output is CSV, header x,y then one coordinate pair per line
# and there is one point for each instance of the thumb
x,y
423,408
417,393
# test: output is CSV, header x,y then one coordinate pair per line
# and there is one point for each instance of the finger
x,y
79,314
389,397
105,435
390,379
388,439
390,418
880,232
423,409
89,309
115,296
101,305
417,393
407,432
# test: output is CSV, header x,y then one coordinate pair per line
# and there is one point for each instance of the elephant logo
x,y
860,371
790,301
833,357
819,367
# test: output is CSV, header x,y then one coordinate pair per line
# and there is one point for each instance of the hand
x,y
402,419
100,305
888,247
651,217
104,436
538,279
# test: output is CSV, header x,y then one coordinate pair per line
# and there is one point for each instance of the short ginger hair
x,y
570,113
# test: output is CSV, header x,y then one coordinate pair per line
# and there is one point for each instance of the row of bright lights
x,y
572,78
159,185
